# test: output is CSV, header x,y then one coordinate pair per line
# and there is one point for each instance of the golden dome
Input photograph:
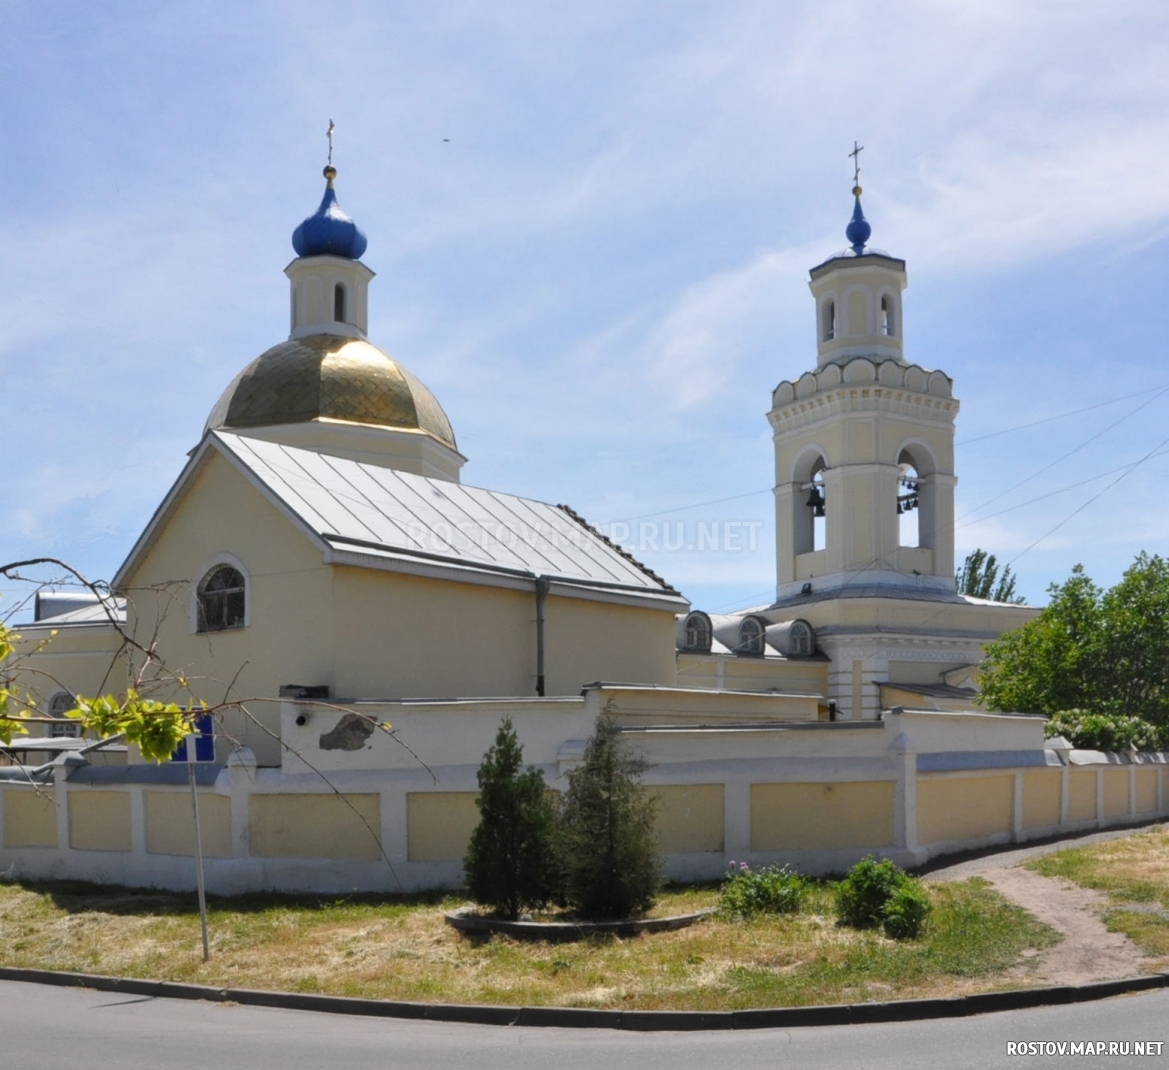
x,y
323,376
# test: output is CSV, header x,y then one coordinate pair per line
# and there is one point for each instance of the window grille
x,y
221,600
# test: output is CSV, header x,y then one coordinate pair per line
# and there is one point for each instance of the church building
x,y
319,572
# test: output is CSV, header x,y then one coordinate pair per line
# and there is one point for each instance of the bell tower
x,y
864,443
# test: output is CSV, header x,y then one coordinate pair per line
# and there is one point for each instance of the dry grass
x,y
1132,872
400,948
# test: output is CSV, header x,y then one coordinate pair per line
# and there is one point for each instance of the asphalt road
x,y
50,1028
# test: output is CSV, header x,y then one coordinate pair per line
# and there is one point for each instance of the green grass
x,y
400,948
1131,870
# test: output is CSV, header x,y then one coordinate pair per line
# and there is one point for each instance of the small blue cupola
x,y
858,230
329,231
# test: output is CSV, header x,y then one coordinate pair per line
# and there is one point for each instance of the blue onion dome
x,y
858,229
329,231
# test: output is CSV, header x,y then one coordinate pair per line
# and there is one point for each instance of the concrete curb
x,y
583,1018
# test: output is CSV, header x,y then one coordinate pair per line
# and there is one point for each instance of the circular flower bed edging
x,y
476,925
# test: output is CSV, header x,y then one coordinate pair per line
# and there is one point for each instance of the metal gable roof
x,y
386,514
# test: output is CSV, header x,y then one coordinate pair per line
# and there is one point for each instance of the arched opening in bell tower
x,y
916,488
887,324
810,515
908,502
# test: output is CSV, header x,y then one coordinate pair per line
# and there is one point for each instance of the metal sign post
x,y
200,747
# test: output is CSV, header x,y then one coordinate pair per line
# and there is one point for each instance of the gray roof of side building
x,y
107,611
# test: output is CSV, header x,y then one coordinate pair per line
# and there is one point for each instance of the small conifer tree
x,y
607,843
510,862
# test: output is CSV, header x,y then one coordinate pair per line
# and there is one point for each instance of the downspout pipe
x,y
542,585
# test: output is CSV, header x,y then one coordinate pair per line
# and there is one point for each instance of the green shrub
x,y
771,890
906,911
1101,731
607,843
882,895
510,861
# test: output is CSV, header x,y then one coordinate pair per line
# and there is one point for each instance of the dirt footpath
x,y
1088,951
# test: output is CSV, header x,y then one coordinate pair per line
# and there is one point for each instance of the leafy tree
x,y
979,577
1102,651
608,844
510,862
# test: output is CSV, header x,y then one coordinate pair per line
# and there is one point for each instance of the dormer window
x,y
751,636
887,316
800,638
339,303
698,633
221,600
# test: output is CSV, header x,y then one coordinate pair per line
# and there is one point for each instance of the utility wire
x,y
1063,457
1060,416
1128,471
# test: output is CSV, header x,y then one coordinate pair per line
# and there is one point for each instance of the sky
x,y
592,226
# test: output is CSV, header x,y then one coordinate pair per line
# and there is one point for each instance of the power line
x,y
1064,456
1131,468
1158,390
1060,416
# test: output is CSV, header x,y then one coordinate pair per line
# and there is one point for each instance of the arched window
x,y
800,638
59,705
221,600
698,633
751,636
339,303
828,326
887,315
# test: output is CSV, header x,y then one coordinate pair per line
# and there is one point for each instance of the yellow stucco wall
x,y
689,817
1146,790
1041,792
80,659
752,674
439,824
804,816
170,825
1081,794
1115,792
30,818
314,826
963,808
365,633
290,637
99,820
451,639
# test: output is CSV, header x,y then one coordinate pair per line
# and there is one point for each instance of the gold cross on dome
x,y
856,163
329,135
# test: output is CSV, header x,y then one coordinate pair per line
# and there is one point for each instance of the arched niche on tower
x,y
808,480
888,312
916,493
